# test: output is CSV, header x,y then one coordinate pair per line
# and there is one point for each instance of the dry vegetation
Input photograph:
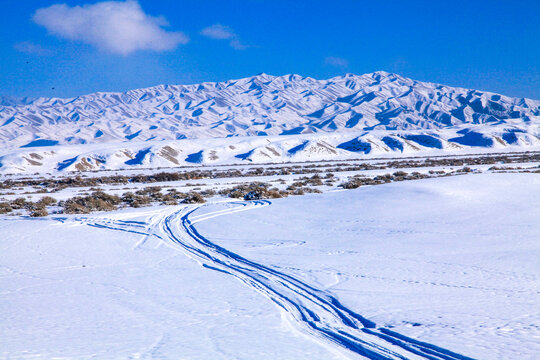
x,y
253,191
360,180
316,176
56,184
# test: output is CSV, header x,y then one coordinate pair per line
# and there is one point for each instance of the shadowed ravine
x,y
312,311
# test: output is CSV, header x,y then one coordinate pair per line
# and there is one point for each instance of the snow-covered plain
x,y
451,262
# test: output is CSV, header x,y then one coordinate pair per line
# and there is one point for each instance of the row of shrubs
x,y
361,180
55,184
34,209
261,190
98,200
101,201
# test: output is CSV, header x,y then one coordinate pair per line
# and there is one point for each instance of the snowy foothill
x,y
442,267
279,149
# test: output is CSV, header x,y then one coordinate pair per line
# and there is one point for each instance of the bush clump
x,y
253,191
47,201
193,198
19,203
5,207
97,201
359,180
39,212
135,200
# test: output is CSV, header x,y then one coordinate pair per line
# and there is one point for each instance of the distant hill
x,y
256,106
342,117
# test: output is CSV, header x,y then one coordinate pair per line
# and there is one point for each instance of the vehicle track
x,y
314,311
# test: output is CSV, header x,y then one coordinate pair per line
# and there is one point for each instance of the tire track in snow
x,y
316,312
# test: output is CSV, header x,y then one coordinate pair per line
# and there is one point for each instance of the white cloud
x,y
218,32
114,26
28,47
336,61
236,44
221,32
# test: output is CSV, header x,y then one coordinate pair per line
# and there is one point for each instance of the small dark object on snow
x,y
253,195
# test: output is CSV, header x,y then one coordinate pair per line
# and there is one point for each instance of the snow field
x,y
448,261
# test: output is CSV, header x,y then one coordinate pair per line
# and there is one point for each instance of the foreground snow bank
x,y
450,261
69,290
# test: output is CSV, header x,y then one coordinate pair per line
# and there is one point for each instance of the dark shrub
x,y
19,203
169,199
256,190
72,207
47,201
312,190
193,198
208,192
39,212
97,201
136,200
5,207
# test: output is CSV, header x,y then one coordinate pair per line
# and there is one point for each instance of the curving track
x,y
315,312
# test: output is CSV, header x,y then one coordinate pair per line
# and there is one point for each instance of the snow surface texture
x,y
373,113
450,262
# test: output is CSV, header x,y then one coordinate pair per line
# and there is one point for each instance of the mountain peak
x,y
383,73
263,76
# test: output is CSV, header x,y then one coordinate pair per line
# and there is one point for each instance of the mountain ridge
x,y
261,105
261,119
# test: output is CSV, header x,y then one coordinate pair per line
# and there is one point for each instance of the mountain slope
x,y
258,106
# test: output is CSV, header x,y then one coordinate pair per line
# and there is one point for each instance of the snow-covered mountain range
x,y
359,114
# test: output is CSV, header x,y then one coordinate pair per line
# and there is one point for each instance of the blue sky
x,y
88,46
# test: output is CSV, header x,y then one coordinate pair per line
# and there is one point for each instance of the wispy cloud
x,y
221,32
336,61
119,27
28,47
218,32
